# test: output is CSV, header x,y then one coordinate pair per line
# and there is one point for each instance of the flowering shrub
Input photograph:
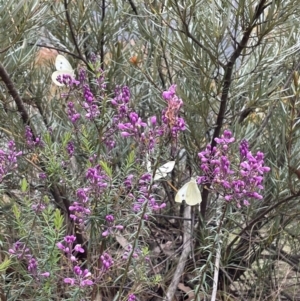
x,y
78,251
96,169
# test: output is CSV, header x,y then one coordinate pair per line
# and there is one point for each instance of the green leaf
x,y
4,265
106,168
130,159
16,212
24,185
58,219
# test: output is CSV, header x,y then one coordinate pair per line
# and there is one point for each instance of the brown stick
x,y
14,94
187,247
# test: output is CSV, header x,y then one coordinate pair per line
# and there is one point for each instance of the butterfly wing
x,y
61,63
55,74
181,193
148,162
162,171
193,194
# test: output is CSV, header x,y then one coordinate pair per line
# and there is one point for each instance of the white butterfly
x,y
190,193
162,171
62,66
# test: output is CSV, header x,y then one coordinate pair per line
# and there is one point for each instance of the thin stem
x,y
216,274
218,256
102,52
14,94
187,247
133,7
72,32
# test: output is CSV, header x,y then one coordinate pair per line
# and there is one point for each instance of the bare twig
x,y
216,274
187,247
133,7
102,35
73,33
58,49
14,94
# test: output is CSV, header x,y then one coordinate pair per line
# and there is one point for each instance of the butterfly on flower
x,y
63,67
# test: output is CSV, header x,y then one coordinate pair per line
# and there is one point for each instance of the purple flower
x,y
92,110
128,181
79,212
167,95
80,277
70,148
125,134
105,233
86,282
226,138
153,120
88,95
82,75
131,297
8,159
30,141
39,207
67,80
244,148
107,261
72,113
96,177
29,136
109,218
45,274
32,265
82,194
42,176
60,246
78,248
69,239
170,115
70,281
240,184
121,100
77,270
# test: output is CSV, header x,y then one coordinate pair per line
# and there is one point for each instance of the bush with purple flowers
x,y
149,150
105,187
91,217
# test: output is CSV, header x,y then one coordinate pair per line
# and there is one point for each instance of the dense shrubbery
x,y
161,93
